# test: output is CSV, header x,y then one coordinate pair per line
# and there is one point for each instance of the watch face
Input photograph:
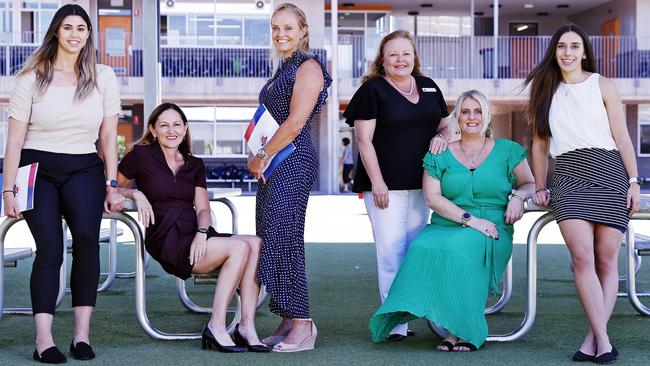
x,y
466,216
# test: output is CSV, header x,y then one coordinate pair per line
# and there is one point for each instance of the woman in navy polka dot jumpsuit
x,y
293,96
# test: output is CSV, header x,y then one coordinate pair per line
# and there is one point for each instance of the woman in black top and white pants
x,y
397,113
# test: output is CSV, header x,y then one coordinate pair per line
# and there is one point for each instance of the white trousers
x,y
393,229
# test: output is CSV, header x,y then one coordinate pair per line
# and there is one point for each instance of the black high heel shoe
x,y
50,355
241,341
208,340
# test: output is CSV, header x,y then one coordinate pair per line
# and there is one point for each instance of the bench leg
x,y
4,228
191,306
632,294
112,258
531,304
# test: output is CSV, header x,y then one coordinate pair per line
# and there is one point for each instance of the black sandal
x,y
469,346
448,346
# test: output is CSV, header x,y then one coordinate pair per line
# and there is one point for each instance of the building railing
x,y
242,70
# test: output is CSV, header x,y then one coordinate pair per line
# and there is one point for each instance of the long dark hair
x,y
42,60
185,148
546,77
376,69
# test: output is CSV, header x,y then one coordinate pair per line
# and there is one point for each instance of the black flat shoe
x,y
615,351
50,355
241,341
606,358
208,340
82,351
580,356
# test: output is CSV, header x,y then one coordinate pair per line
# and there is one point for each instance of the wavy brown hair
x,y
303,44
376,69
185,148
546,77
42,60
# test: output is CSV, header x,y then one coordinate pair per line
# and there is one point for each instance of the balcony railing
x,y
204,71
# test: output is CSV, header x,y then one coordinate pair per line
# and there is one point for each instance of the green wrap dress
x,y
449,269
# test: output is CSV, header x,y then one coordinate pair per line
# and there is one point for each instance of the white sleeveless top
x,y
578,118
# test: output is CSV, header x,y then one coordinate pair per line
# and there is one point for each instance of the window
x,y
218,131
230,138
6,21
35,18
644,130
257,32
201,126
215,23
229,31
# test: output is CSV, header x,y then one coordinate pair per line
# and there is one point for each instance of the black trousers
x,y
72,186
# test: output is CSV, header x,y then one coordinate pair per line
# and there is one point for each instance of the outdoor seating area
x,y
537,288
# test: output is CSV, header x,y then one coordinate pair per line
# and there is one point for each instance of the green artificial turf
x,y
343,291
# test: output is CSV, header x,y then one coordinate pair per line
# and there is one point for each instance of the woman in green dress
x,y
477,189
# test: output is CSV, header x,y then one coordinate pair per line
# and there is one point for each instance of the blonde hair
x,y
376,69
42,60
275,58
486,127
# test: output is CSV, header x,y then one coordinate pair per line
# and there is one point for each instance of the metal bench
x,y
13,255
20,254
215,195
531,273
106,236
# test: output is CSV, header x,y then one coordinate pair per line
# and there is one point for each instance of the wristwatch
x,y
466,217
202,230
636,180
111,183
261,153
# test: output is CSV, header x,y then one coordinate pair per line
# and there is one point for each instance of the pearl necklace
x,y
474,159
398,89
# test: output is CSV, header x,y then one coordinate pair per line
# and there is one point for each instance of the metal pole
x,y
495,43
333,104
472,41
150,59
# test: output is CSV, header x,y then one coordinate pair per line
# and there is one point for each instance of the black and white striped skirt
x,y
591,184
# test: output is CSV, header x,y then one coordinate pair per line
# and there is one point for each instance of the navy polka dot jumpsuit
x,y
282,202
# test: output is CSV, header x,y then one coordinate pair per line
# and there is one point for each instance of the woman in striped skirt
x,y
578,117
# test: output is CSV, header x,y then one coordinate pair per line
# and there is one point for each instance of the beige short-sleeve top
x,y
56,122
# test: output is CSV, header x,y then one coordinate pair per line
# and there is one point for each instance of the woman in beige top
x,y
62,103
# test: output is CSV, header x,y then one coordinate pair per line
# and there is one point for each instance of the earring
x,y
155,138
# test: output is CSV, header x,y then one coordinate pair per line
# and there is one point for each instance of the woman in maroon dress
x,y
173,205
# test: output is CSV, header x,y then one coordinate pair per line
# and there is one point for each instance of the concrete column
x,y
151,61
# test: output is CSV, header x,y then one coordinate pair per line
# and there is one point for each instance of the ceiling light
x,y
427,5
562,6
529,6
522,27
478,13
542,14
413,13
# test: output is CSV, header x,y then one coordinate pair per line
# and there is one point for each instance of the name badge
x,y
429,90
